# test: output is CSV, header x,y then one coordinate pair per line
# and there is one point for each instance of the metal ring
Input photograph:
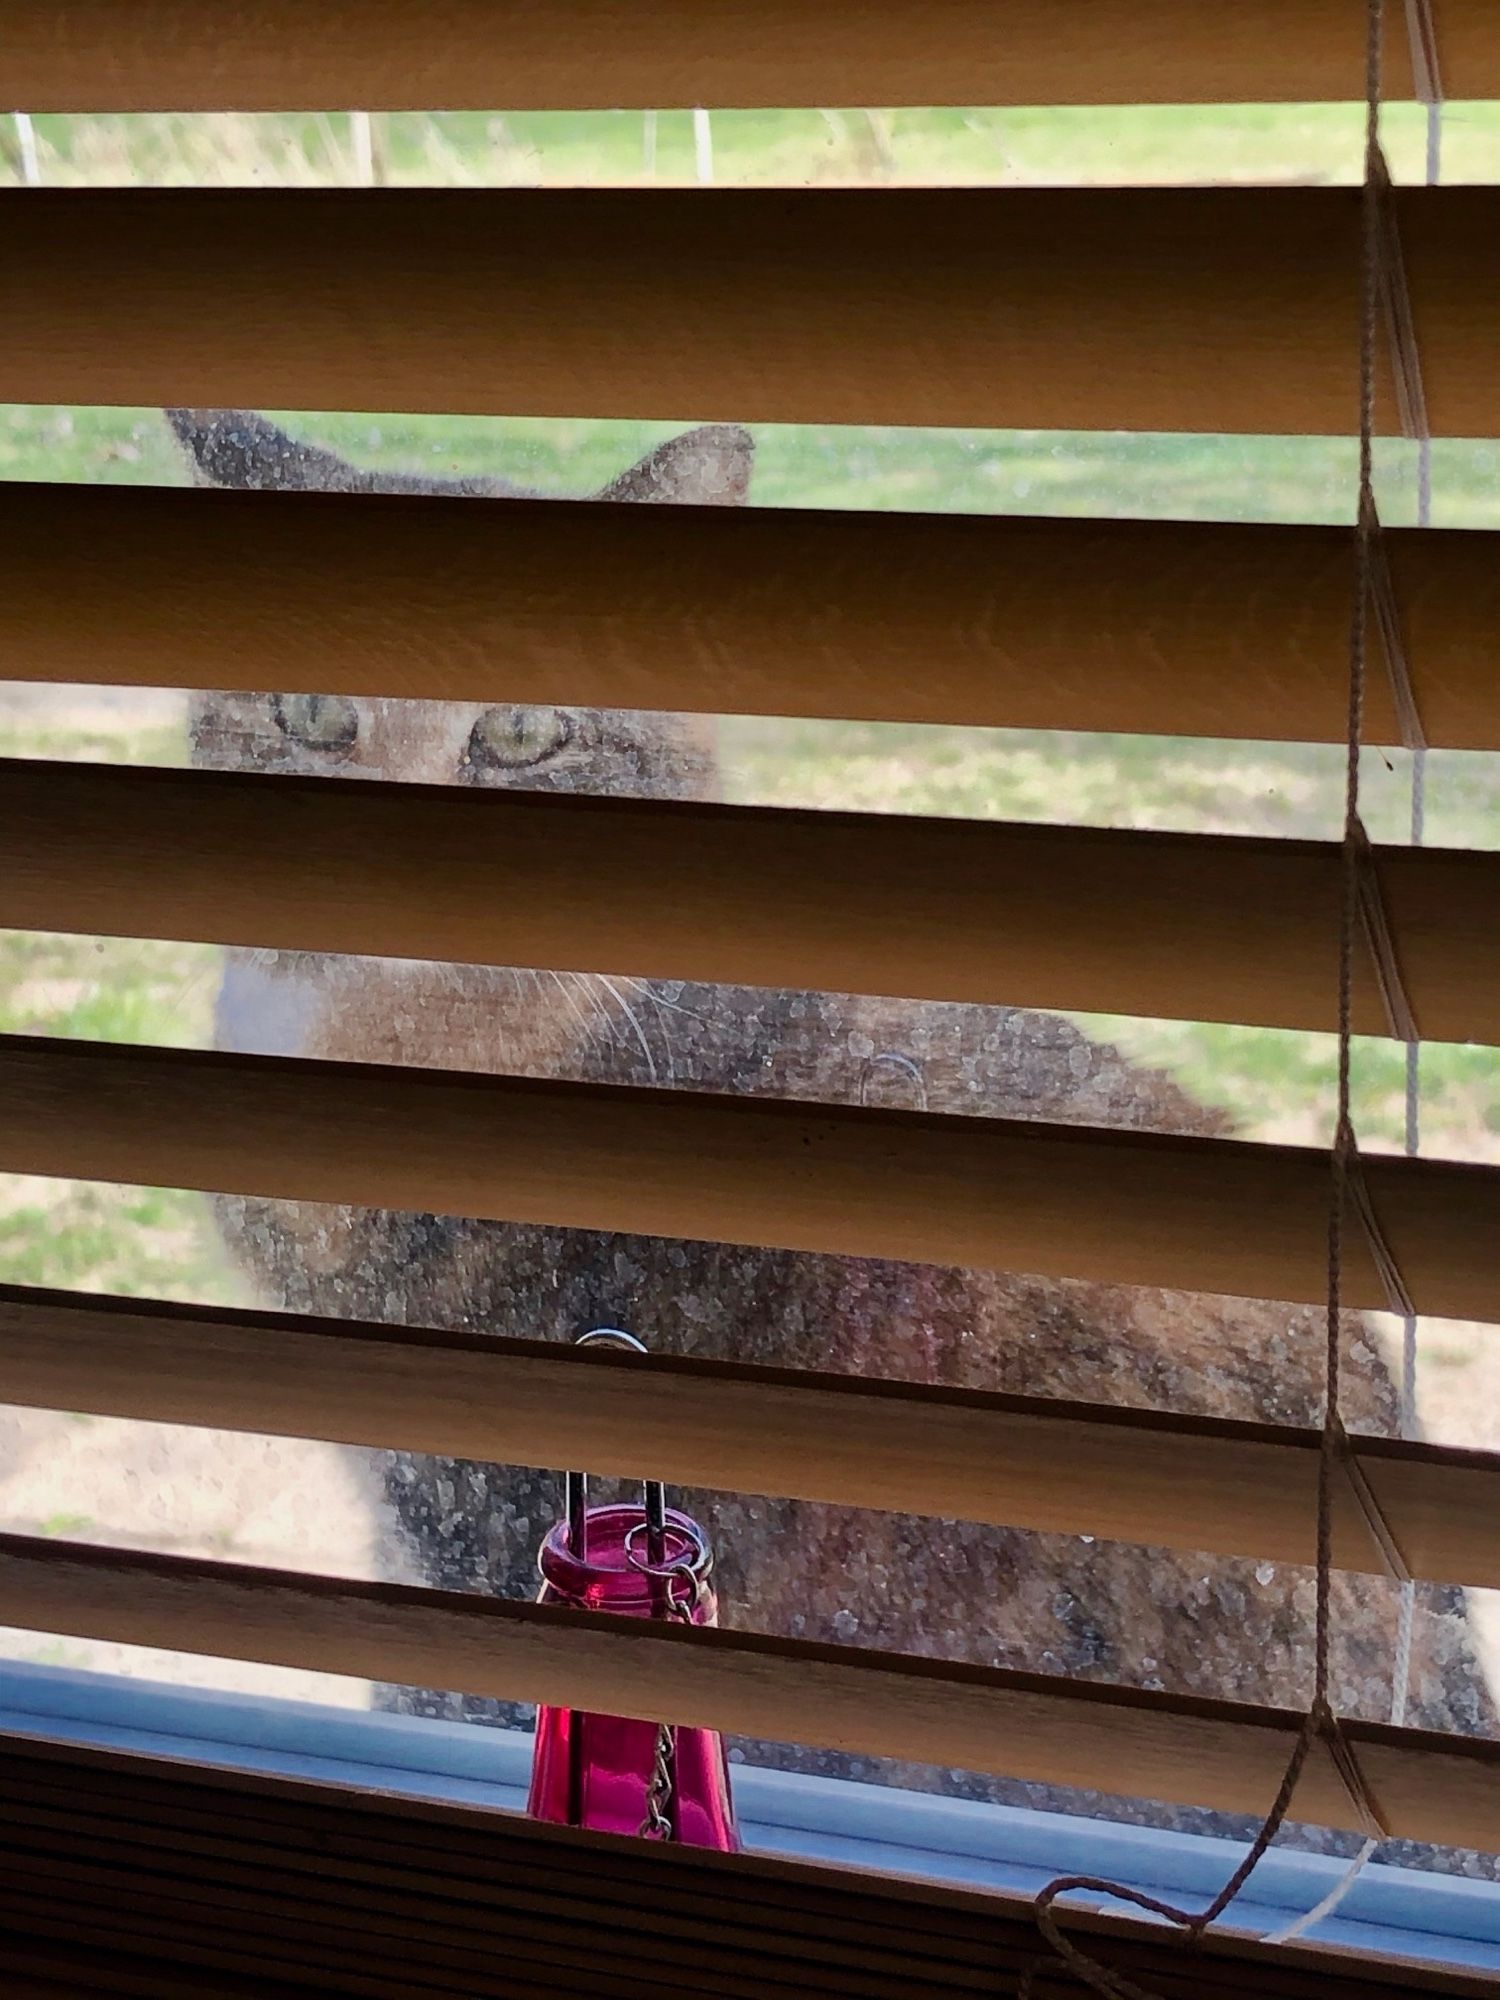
x,y
693,1565
576,1484
611,1336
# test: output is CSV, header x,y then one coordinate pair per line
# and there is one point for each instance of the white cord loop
x,y
1406,362
1393,647
1374,922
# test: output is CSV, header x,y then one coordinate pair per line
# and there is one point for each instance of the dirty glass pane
x,y
1097,1611
1076,1606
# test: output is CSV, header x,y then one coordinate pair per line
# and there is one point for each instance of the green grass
x,y
1038,145
139,1243
65,1524
1138,476
102,989
143,1242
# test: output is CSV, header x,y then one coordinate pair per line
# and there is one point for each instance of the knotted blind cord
x,y
1428,84
1320,1724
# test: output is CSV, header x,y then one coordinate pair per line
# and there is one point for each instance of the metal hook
x,y
892,1059
655,1494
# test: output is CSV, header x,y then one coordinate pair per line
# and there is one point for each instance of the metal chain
x,y
661,1793
660,1822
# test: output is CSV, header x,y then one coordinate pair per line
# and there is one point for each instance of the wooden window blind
x,y
270,55
1223,310
1195,628
113,1861
1175,309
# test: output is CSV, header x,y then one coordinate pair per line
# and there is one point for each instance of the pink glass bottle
x,y
597,1771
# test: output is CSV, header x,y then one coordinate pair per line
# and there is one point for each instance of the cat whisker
x,y
611,1027
667,1006
634,1019
590,1028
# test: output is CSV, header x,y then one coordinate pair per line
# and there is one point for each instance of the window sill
x,y
1389,1912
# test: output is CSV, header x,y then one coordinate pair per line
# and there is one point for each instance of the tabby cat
x,y
1095,1610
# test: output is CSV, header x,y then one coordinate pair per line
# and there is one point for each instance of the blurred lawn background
x,y
1274,1085
958,146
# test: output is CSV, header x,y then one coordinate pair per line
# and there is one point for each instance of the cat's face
x,y
453,743
616,752
296,1004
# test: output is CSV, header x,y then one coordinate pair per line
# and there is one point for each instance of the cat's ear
x,y
708,467
240,448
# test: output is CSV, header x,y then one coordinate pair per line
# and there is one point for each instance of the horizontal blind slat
x,y
1179,309
487,55
1148,627
1224,1755
363,1894
1198,1214
119,1804
1187,926
1053,1465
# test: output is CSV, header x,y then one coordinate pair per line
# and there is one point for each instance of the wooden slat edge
x,y
1196,1214
494,55
1149,627
1222,310
1223,1755
987,1928
74,1968
1052,1465
1201,927
475,1932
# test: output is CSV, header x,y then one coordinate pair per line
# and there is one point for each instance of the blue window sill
x,y
1389,1912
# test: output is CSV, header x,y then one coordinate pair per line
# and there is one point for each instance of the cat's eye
x,y
324,722
513,737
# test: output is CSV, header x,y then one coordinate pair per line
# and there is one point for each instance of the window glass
x,y
1075,1606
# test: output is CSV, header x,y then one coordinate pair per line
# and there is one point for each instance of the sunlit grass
x,y
1006,146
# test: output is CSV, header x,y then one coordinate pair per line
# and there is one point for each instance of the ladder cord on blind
x,y
1429,89
1321,1726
